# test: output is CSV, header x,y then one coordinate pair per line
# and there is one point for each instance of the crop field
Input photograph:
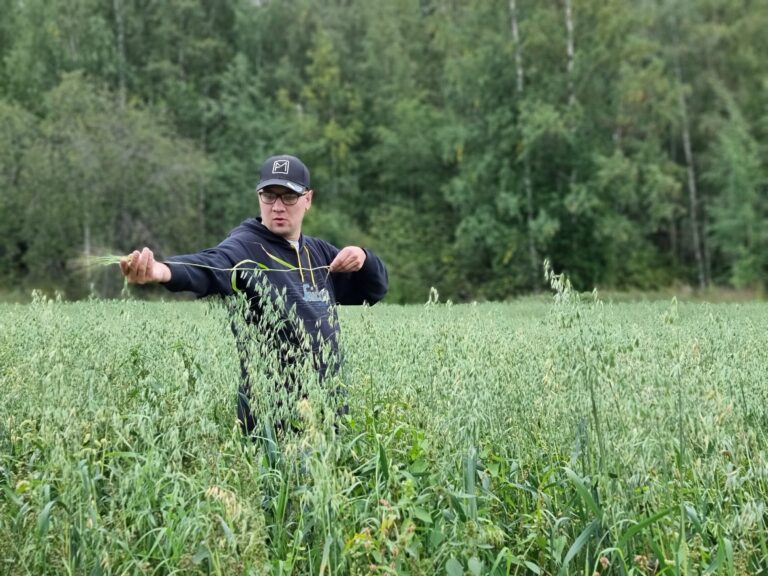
x,y
568,436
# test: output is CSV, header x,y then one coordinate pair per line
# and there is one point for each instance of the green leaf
x,y
422,515
383,463
436,536
43,519
11,495
454,568
576,547
629,534
458,507
281,261
202,554
532,567
718,561
728,546
324,563
589,501
419,467
690,511
475,566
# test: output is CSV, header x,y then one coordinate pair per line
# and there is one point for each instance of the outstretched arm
x,y
205,273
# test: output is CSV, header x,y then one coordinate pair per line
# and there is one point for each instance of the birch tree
x,y
527,184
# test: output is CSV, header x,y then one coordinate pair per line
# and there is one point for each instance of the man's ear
x,y
309,198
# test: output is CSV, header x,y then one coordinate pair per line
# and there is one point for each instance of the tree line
x,y
464,141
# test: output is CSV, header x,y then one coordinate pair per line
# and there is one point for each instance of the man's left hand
x,y
349,259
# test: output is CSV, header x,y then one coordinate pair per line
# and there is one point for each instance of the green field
x,y
565,437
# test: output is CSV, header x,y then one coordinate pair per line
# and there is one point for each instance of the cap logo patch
x,y
280,166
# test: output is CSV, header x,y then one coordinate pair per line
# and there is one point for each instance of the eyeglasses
x,y
288,198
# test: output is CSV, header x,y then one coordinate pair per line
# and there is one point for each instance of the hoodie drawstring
x,y
309,261
298,257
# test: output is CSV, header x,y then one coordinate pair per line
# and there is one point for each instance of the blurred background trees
x,y
463,141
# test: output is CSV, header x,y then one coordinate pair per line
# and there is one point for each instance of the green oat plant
x,y
571,437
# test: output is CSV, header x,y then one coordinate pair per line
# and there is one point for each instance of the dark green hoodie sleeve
x,y
207,272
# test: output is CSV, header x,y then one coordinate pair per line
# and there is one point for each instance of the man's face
x,y
283,217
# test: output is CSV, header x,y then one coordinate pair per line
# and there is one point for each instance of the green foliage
x,y
541,438
51,39
95,180
403,231
244,131
739,212
461,121
109,476
18,131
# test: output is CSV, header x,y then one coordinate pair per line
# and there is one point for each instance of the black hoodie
x,y
300,273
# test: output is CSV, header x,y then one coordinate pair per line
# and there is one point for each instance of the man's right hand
x,y
142,268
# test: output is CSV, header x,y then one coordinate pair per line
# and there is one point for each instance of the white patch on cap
x,y
280,166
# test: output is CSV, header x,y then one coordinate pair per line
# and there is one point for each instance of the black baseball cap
x,y
286,171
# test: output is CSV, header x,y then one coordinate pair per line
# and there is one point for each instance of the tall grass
x,y
532,438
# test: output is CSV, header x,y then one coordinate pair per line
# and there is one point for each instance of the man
x,y
291,281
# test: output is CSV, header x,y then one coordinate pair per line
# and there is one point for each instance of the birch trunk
x,y
529,201
570,51
118,7
693,197
87,248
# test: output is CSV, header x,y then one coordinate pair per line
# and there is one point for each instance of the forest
x,y
463,141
